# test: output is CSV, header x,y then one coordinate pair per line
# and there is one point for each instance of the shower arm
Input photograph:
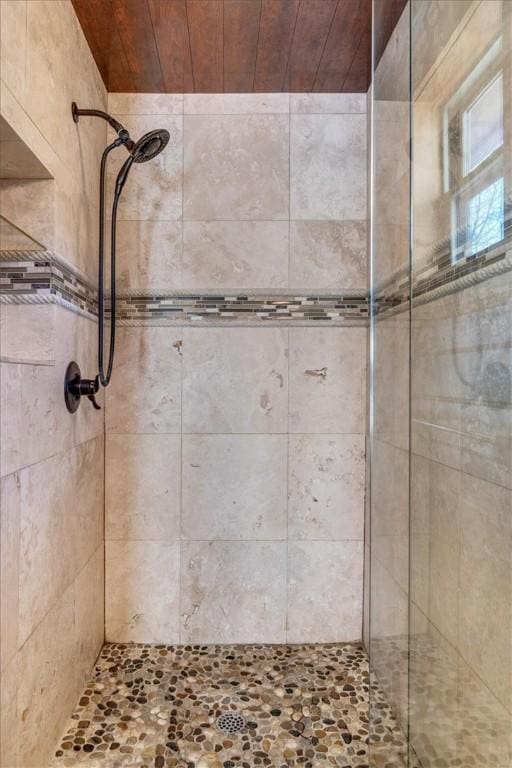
x,y
115,124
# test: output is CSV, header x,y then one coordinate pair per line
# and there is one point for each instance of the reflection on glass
x,y
483,125
486,217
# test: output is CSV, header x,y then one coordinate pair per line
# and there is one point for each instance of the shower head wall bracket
x,y
115,124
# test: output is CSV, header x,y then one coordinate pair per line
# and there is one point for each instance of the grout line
x,y
286,629
180,556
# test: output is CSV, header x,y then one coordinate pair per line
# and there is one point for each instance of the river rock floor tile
x,y
299,706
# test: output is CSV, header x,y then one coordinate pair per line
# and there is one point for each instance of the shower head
x,y
150,145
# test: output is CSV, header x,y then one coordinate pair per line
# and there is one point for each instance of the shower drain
x,y
231,722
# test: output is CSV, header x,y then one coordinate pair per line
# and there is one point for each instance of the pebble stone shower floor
x,y
156,706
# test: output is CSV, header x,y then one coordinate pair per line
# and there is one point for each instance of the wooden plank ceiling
x,y
233,46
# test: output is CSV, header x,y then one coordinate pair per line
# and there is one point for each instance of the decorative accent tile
x,y
40,277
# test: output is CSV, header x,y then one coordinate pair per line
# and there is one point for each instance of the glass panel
x,y
486,217
483,125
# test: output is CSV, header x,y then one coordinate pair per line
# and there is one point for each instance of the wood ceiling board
x,y
277,25
205,25
241,31
311,32
216,46
170,25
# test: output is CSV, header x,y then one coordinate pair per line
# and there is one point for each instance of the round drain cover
x,y
231,722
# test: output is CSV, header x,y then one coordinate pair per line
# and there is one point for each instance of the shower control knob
x,y
75,388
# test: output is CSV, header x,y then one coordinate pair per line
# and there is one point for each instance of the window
x,y
483,125
474,165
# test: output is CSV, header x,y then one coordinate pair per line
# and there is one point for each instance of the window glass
x,y
486,212
483,125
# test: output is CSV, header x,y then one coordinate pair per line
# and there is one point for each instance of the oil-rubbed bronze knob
x,y
75,388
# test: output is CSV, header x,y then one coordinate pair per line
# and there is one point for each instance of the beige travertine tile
x,y
8,715
149,255
325,591
154,189
27,333
235,380
144,395
235,255
485,617
13,48
328,255
236,103
326,487
47,684
233,592
145,103
392,376
328,103
236,167
143,487
29,205
89,591
327,380
134,570
10,421
61,525
328,167
9,566
234,487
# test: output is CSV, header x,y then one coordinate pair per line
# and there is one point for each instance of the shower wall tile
x,y
328,103
13,26
27,333
236,103
236,167
222,390
231,255
325,591
328,167
10,418
485,583
327,380
46,696
155,191
9,714
89,590
9,567
328,255
61,512
145,103
143,487
223,493
233,592
326,487
235,380
144,395
134,570
149,256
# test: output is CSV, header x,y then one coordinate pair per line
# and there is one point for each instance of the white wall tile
x,y
234,487
143,487
233,592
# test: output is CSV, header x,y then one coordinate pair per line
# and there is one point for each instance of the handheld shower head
x,y
150,145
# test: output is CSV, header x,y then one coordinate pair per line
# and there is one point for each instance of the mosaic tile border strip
x,y
441,276
165,310
40,277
